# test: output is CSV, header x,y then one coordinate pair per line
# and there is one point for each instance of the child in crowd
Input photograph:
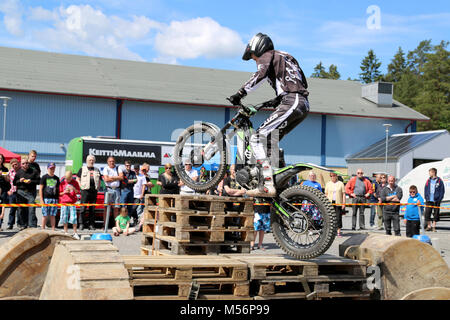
x,y
49,194
412,214
123,223
68,190
261,222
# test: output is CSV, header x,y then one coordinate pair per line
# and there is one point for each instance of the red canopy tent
x,y
9,155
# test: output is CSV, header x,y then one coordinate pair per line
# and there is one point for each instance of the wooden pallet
x,y
200,203
160,277
282,277
184,236
182,291
202,220
284,267
151,269
166,246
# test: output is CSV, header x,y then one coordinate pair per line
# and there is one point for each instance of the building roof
x,y
54,73
398,145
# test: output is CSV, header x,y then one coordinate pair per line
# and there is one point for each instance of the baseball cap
x,y
51,165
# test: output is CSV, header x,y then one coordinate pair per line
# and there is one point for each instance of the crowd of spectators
x,y
384,196
129,184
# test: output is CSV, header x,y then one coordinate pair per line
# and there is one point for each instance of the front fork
x,y
277,204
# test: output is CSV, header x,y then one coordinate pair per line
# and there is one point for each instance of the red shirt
x,y
72,196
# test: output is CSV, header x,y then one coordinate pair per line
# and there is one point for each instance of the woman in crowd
x,y
335,192
168,181
4,186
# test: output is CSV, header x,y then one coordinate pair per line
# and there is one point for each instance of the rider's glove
x,y
235,99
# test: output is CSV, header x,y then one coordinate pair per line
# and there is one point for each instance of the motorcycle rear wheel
x,y
326,234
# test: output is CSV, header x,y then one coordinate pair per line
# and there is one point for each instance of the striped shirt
x,y
12,174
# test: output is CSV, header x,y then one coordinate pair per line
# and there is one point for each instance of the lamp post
x,y
386,125
5,104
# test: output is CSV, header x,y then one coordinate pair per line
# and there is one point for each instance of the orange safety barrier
x,y
20,205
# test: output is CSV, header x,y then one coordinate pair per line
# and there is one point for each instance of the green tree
x,y
319,71
333,73
433,100
418,57
397,67
370,67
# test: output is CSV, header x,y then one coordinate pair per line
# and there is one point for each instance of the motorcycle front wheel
x,y
190,147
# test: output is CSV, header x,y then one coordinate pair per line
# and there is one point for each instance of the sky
x,y
213,34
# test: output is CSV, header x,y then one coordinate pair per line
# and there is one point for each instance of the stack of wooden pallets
x,y
197,225
282,277
245,276
187,277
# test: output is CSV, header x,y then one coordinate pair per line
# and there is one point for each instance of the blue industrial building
x,y
56,97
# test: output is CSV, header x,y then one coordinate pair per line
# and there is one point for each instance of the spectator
x,y
68,190
412,214
139,191
192,173
34,165
89,179
49,194
5,186
12,195
374,199
359,189
123,223
128,180
434,193
230,187
261,222
391,194
335,192
112,180
168,181
379,208
311,182
149,185
26,180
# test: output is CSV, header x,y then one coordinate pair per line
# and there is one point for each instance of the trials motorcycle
x,y
303,220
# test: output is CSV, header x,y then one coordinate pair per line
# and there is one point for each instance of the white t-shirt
x,y
138,186
192,174
112,172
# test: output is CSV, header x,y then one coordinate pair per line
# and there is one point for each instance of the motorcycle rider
x,y
287,79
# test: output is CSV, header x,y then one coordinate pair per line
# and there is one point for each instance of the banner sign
x,y
135,153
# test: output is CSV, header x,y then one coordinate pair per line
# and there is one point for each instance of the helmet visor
x,y
247,54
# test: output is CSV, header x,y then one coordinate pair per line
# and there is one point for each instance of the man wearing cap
x,y
192,173
49,194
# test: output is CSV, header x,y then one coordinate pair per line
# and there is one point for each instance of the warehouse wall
x,y
348,135
44,122
53,118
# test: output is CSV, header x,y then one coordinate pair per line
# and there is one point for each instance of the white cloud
x,y
85,29
194,38
12,16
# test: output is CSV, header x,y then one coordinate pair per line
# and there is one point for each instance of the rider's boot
x,y
267,189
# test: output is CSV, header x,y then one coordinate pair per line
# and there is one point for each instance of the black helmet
x,y
258,45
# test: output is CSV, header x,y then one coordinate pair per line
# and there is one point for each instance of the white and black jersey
x,y
282,72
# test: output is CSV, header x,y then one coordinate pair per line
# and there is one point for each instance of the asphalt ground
x,y
130,245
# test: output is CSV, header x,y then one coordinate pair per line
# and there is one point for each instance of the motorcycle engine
x,y
248,177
